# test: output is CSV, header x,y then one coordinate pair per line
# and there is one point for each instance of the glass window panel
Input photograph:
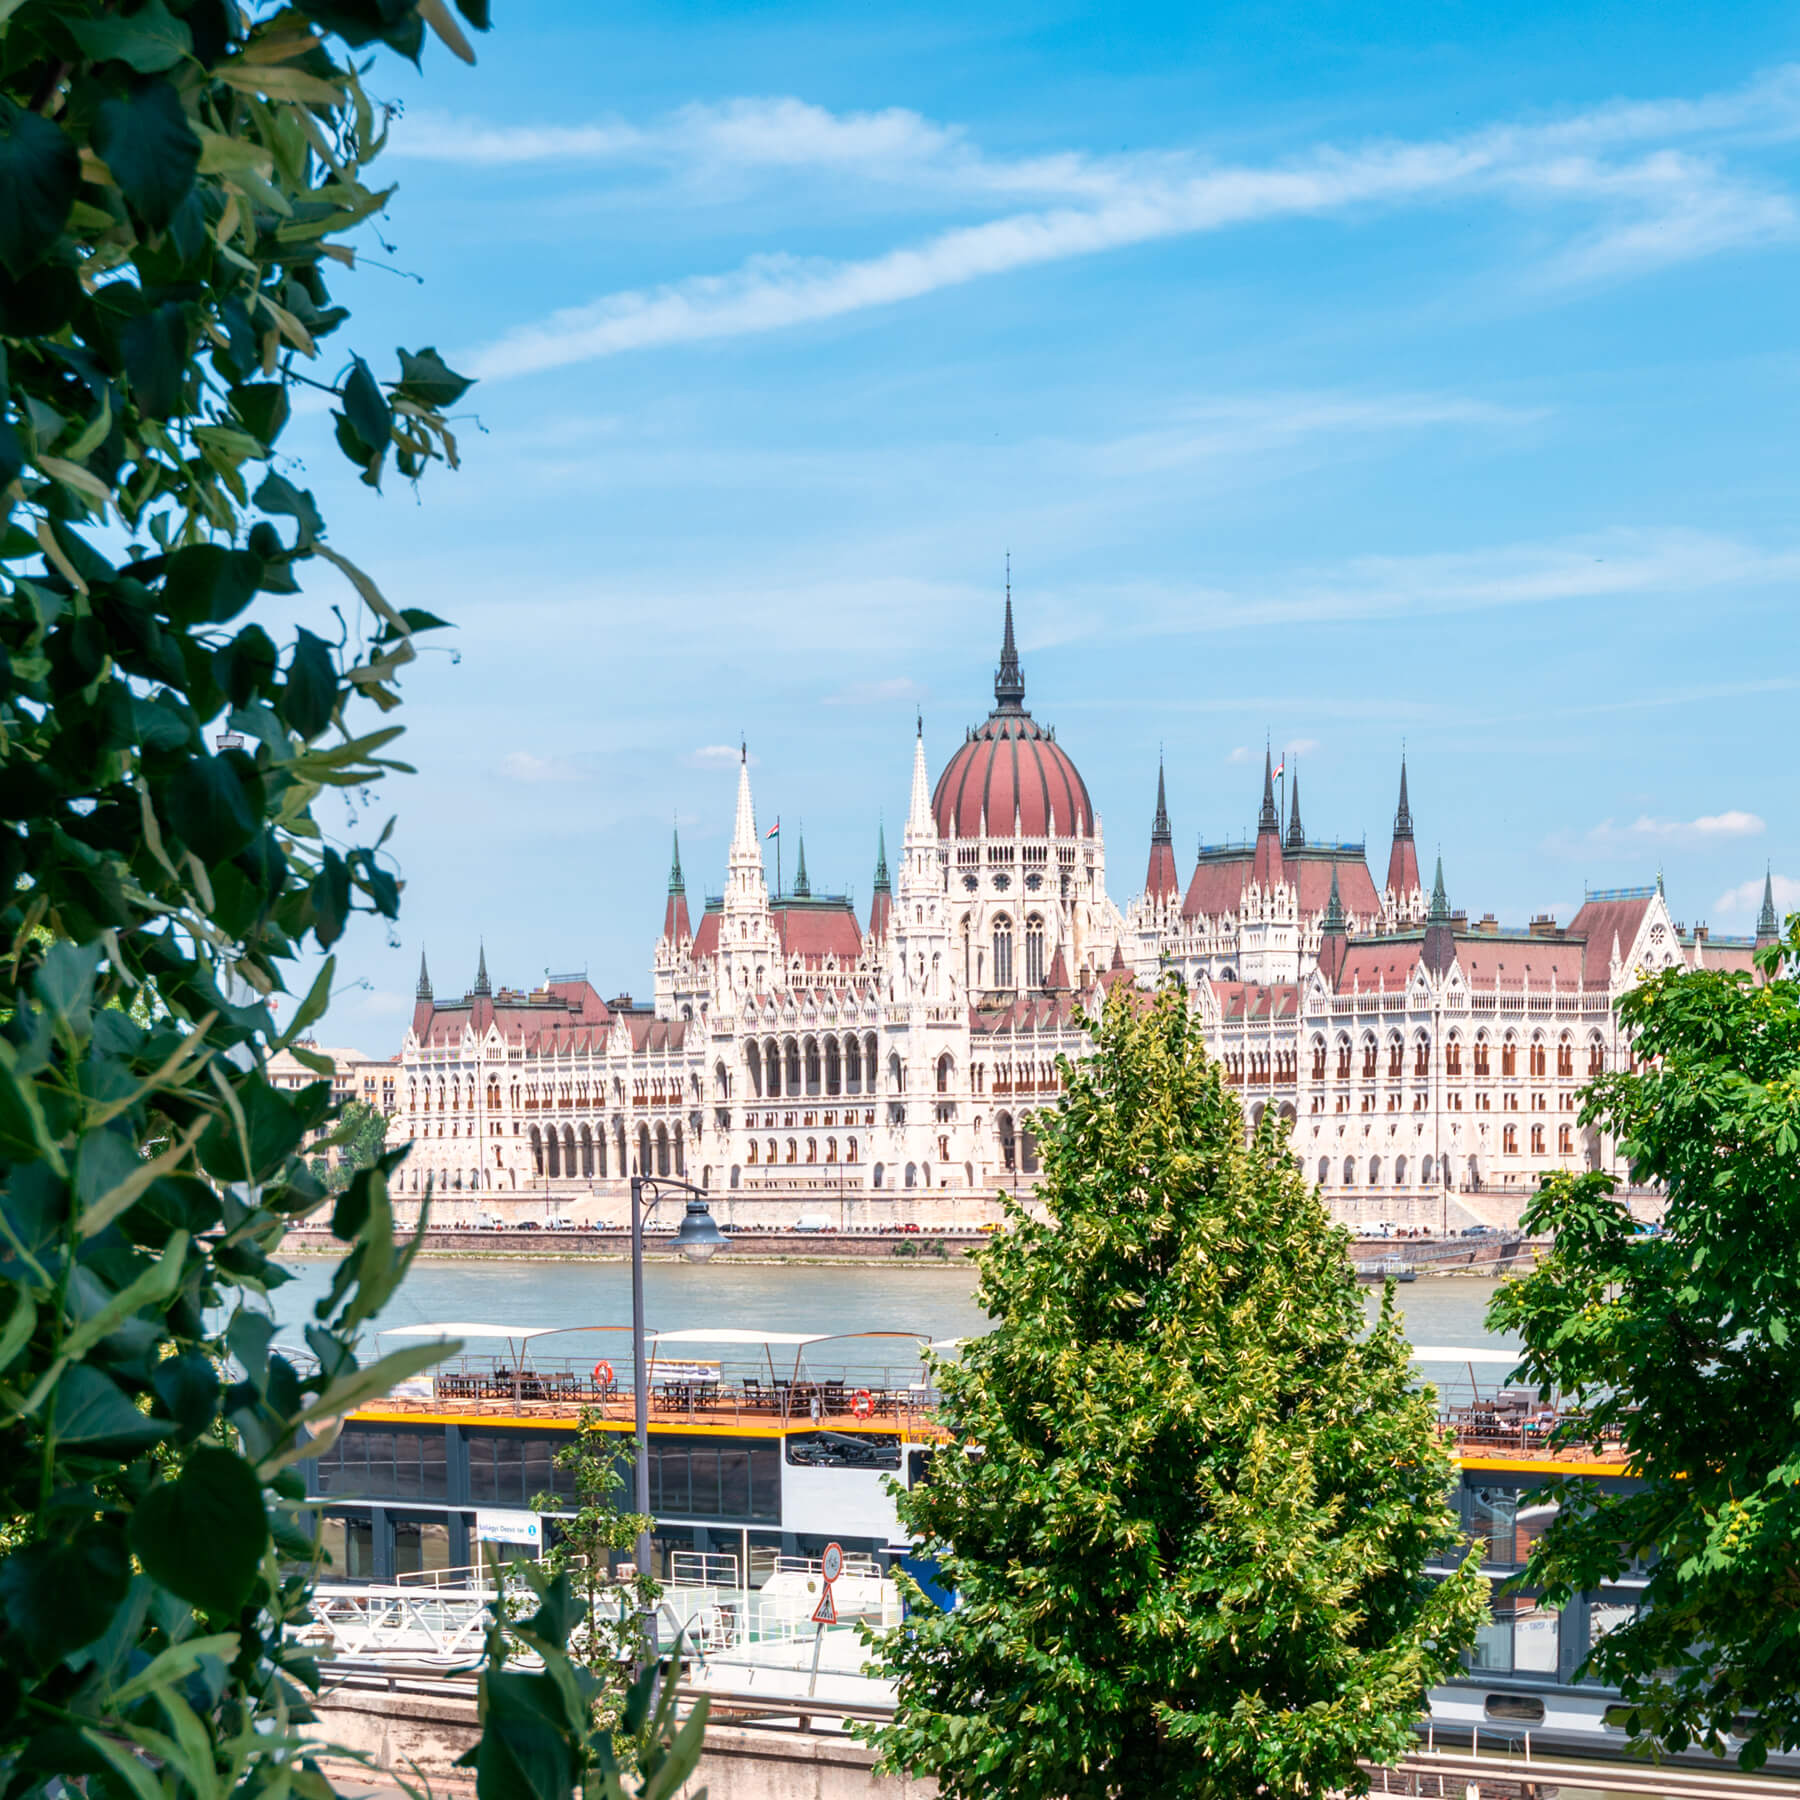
x,y
434,1474
1493,1515
1535,1637
1493,1645
331,1546
765,1482
670,1479
704,1465
351,1542
420,1544
734,1484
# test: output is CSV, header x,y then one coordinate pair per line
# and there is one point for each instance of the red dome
x,y
1011,763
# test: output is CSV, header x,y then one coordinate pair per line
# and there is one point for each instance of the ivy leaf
x,y
40,171
150,41
427,380
203,1535
147,143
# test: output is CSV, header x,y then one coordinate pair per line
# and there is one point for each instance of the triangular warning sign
x,y
825,1613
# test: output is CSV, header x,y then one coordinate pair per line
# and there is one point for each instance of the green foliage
x,y
177,179
545,1734
1684,1344
359,1137
1193,1500
606,1638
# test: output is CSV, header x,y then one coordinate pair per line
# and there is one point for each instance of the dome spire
x,y
1296,833
883,882
1270,819
676,884
1403,825
802,889
481,974
1159,826
918,817
1009,683
424,990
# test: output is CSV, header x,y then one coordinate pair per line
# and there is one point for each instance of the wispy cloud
x,y
1710,829
1649,199
1241,754
527,766
1746,898
718,756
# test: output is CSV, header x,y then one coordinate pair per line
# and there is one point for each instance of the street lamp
x,y
698,1239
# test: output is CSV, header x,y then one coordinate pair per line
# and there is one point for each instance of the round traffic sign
x,y
831,1564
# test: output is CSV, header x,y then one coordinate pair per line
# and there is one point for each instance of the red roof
x,y
568,1014
1252,1000
1378,962
706,939
1162,881
1600,921
1512,964
1219,880
1403,867
1011,766
818,929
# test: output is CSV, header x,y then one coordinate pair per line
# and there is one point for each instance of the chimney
x,y
1488,925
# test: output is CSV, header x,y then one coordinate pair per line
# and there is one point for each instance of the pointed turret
x,y
918,814
422,1006
1440,940
481,974
746,886
881,906
1266,871
802,887
1009,683
1403,859
1296,833
675,914
1161,883
424,988
1768,922
1334,939
1057,981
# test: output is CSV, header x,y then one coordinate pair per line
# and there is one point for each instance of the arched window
x,y
831,1149
1482,1067
1002,952
850,1150
1034,951
1003,1129
1343,1059
1349,1171
853,1063
537,1151
1028,1157
555,1154
793,1151
1374,1171
896,1074
570,1165
946,1067
1425,1171
1399,1171
772,1069
1539,1062
721,1082
752,1153
662,1150
812,1150
793,1067
1452,1060
875,1176
834,1068
1324,1170
1596,1056
736,1173
1369,1057
812,1066
1318,1059
770,1155
1509,1058
1396,1057
587,1152
645,1165
912,1175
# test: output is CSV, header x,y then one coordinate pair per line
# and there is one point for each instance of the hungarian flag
x,y
773,831
1280,768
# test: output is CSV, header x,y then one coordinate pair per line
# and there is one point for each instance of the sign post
x,y
831,1566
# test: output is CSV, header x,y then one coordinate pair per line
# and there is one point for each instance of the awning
x,y
466,1331
730,1334
1454,1353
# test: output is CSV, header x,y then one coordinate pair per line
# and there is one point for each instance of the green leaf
x,y
208,807
263,407
92,1416
377,1378
147,143
209,583
312,1008
278,495
203,1535
156,347
175,1665
154,1286
57,1596
365,409
310,695
65,984
40,172
427,380
149,41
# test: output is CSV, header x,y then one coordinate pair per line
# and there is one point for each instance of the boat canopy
x,y
467,1331
1456,1353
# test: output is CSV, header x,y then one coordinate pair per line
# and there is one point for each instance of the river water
x,y
829,1298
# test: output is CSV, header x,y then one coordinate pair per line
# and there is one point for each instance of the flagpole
x,y
778,856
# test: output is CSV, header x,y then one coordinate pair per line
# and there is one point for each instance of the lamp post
x,y
698,1238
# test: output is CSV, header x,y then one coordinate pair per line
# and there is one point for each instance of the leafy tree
x,y
1684,1344
1189,1521
359,1137
607,1637
178,179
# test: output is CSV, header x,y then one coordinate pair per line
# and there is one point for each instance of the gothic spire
x,y
1296,834
676,884
743,833
1768,925
883,882
424,978
802,889
918,816
1440,901
1403,825
1334,907
481,974
1270,819
1159,826
1009,683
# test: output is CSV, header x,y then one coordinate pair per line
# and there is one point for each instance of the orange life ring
x,y
603,1373
862,1403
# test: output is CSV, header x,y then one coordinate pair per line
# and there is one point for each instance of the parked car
x,y
813,1222
561,1223
1480,1231
485,1222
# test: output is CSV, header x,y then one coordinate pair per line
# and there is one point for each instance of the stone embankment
x,y
612,1245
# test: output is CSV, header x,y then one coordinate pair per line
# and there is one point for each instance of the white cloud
x,y
1708,827
1302,746
1747,897
524,765
1659,206
1240,755
717,756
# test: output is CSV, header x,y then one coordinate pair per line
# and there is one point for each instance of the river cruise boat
x,y
766,1446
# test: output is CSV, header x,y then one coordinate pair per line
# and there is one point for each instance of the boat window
x,y
385,1465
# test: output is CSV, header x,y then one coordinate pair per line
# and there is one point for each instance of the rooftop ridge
x,y
1619,893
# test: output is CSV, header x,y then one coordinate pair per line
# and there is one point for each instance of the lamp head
x,y
699,1238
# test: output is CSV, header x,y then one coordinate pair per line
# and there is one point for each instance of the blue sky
x,y
1342,375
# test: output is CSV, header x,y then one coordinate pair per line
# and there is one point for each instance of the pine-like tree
x,y
1191,1497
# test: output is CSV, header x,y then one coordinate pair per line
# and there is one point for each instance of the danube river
x,y
830,1298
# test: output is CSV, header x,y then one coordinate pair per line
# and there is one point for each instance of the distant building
x,y
791,1048
354,1077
